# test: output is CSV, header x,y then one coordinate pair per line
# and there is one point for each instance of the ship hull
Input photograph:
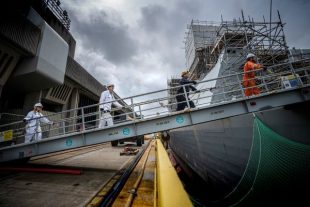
x,y
221,152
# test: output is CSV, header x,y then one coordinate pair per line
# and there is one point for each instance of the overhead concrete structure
x,y
47,69
37,61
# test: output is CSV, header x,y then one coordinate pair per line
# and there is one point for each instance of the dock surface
x,y
97,163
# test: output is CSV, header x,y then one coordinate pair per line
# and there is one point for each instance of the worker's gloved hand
x,y
269,71
195,82
101,109
24,120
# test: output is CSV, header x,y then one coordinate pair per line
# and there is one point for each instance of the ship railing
x,y
224,89
273,79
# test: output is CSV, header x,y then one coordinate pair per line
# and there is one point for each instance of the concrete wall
x,y
47,68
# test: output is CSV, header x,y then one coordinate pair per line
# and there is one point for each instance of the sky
x,y
139,44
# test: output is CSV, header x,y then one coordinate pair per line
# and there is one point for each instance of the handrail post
x,y
37,130
63,127
133,108
185,94
140,111
223,87
49,131
240,85
294,74
264,82
83,120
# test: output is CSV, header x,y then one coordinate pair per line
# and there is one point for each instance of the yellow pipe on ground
x,y
170,191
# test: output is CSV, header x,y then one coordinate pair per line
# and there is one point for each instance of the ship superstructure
x,y
206,41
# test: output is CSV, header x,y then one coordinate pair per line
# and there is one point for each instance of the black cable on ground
x,y
117,187
137,183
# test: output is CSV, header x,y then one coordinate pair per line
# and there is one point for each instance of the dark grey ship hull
x,y
220,152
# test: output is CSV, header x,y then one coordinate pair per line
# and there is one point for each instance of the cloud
x,y
153,17
138,44
104,32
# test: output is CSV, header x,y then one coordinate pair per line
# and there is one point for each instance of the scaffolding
x,y
173,84
204,41
221,47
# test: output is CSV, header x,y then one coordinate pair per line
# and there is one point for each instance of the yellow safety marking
x,y
155,188
95,201
169,187
6,135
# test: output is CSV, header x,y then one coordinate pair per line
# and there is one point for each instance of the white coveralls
x,y
33,127
106,101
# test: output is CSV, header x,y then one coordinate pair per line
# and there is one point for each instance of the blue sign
x,y
126,131
179,119
68,142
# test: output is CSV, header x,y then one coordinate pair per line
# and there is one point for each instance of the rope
x,y
259,161
245,171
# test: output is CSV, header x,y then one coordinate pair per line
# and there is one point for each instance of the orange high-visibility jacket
x,y
249,69
249,73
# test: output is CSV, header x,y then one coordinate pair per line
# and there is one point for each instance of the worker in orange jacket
x,y
248,80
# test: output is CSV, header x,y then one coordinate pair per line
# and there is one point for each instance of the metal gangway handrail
x,y
154,109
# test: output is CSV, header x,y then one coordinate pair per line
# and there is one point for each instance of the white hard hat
x,y
250,55
110,84
38,105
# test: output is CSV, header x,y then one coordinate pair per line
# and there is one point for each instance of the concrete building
x,y
37,61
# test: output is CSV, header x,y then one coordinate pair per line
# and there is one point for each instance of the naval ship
x,y
255,159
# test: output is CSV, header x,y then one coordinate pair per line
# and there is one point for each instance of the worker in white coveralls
x,y
106,101
33,120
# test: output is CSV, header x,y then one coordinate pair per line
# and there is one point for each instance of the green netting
x,y
278,171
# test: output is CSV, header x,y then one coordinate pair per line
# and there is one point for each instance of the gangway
x,y
285,84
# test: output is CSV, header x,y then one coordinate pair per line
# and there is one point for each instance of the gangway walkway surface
x,y
285,84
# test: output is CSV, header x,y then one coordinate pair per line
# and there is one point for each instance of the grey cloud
x,y
296,15
161,30
153,17
112,40
167,21
165,27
